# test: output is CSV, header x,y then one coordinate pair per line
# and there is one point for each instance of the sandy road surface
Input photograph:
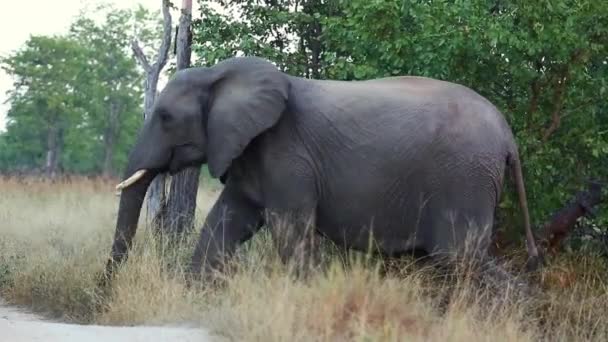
x,y
18,326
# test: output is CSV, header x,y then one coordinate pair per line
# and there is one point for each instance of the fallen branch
x,y
563,221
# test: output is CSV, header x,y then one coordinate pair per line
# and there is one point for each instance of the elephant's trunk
x,y
131,200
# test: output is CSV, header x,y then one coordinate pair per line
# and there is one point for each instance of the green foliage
x,y
114,83
45,99
86,85
287,32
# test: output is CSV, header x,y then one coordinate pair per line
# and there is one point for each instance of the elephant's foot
x,y
307,261
304,258
298,245
509,288
471,278
203,279
208,272
535,264
496,278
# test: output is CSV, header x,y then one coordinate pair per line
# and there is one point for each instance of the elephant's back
x,y
397,110
422,95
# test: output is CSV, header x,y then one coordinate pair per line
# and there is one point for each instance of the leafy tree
x,y
44,102
76,105
288,32
114,83
21,147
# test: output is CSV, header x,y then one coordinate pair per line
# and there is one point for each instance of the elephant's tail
x,y
515,164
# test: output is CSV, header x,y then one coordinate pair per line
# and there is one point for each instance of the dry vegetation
x,y
54,240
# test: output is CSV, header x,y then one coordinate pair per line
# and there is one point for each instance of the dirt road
x,y
18,326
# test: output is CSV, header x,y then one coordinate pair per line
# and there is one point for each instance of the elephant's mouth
x,y
182,156
186,155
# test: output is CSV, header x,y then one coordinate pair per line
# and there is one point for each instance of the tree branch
x,y
163,51
558,100
140,56
579,107
563,221
533,105
184,39
558,95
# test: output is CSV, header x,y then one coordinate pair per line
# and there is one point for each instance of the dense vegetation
x,y
77,100
76,104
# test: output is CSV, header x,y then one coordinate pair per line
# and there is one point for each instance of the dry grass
x,y
54,240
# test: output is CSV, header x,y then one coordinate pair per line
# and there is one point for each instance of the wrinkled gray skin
x,y
415,162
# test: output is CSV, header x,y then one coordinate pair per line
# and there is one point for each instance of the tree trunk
x,y
184,36
181,203
53,151
156,191
109,139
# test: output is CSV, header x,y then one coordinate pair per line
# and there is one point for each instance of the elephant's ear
x,y
246,100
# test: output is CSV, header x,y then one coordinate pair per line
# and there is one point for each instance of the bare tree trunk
x,y
156,191
51,141
53,152
184,36
181,203
109,139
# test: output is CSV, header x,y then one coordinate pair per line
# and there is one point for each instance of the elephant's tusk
x,y
134,178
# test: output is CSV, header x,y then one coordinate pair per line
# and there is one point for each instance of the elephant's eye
x,y
165,116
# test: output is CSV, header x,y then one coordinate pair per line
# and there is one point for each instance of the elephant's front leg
x,y
295,238
233,219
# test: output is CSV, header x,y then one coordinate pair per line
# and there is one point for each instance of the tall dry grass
x,y
55,238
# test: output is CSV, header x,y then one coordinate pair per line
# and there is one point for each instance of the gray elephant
x,y
411,163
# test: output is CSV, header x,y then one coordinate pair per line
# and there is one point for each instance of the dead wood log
x,y
562,222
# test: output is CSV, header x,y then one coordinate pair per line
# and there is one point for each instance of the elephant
x,y
414,164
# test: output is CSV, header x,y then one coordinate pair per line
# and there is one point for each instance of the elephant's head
x,y
203,115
